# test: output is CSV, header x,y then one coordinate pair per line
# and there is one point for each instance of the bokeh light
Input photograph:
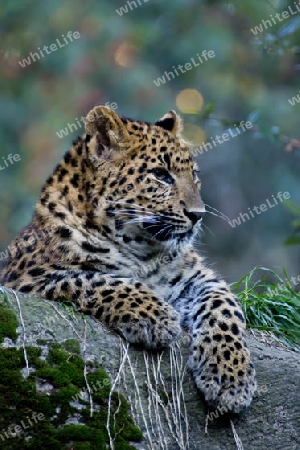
x,y
189,101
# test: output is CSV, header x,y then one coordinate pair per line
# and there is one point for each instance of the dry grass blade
x,y
238,442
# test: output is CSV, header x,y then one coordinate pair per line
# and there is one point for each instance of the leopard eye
x,y
163,175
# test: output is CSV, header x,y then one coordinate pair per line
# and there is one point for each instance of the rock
x,y
164,401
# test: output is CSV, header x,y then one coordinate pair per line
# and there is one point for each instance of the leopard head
x,y
145,181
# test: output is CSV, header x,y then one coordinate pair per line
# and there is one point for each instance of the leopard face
x,y
150,184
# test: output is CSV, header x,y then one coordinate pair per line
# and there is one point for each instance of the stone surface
x,y
165,403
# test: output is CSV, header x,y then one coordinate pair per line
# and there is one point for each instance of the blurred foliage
x,y
116,59
295,238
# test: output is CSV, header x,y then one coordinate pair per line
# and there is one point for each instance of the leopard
x,y
115,230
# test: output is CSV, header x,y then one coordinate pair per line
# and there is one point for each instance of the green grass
x,y
270,303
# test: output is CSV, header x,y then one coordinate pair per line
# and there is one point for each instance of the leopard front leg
x,y
127,306
220,359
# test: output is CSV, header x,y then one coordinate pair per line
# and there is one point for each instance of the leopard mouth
x,y
162,231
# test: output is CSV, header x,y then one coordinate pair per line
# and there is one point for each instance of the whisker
x,y
140,219
163,230
220,214
217,215
208,229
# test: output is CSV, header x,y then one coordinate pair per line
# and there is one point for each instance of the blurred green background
x,y
116,59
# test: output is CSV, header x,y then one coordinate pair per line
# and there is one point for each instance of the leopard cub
x,y
125,194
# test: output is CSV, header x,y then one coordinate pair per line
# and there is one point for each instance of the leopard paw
x,y
152,329
226,384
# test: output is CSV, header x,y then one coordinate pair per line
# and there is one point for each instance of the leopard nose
x,y
194,216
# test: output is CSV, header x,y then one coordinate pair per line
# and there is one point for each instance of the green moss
x,y
8,323
42,341
72,346
41,416
164,396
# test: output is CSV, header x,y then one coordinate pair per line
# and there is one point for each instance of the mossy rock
x,y
49,408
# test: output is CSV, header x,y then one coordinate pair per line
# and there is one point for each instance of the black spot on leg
x,y
119,305
230,302
99,312
108,299
65,286
93,249
216,304
226,313
98,283
134,305
226,355
50,292
13,276
38,271
223,378
239,315
122,181
107,292
26,289
212,321
21,265
234,329
217,337
223,326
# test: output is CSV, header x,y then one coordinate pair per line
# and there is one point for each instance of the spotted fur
x,y
113,231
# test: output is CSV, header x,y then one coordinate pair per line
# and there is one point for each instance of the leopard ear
x,y
171,122
104,130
